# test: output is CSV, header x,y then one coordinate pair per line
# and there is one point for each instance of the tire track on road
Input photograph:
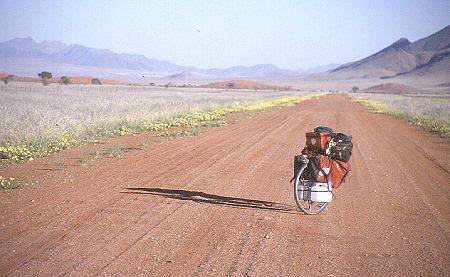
x,y
205,232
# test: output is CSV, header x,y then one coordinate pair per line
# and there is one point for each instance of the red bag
x,y
319,168
323,169
318,141
338,172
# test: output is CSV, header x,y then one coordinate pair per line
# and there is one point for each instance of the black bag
x,y
323,129
297,164
342,148
338,137
315,169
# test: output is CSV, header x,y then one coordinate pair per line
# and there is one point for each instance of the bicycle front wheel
x,y
301,186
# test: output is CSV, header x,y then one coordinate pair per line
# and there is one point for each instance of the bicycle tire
x,y
297,201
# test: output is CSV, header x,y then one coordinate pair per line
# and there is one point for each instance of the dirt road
x,y
221,204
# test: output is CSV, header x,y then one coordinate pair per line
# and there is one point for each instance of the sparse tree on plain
x,y
355,89
65,80
7,78
96,81
45,76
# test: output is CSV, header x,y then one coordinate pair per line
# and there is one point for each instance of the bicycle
x,y
311,197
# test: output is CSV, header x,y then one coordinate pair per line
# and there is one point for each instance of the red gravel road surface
x,y
221,204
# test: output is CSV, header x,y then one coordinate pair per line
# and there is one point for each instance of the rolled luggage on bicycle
x,y
321,167
328,155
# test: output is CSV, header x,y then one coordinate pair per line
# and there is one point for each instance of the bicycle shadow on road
x,y
206,198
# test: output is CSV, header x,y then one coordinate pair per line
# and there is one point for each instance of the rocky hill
x,y
429,55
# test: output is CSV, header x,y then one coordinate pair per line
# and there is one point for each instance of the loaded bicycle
x,y
321,167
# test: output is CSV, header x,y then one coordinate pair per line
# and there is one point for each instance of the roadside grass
x,y
157,140
44,138
216,124
183,133
115,151
118,149
60,165
95,155
83,160
9,183
432,115
144,143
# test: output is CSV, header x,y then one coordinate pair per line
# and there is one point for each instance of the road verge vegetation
x,y
191,122
9,183
432,115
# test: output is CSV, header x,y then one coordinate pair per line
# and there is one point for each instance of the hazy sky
x,y
289,34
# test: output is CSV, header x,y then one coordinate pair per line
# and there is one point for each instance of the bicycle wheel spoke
x,y
302,187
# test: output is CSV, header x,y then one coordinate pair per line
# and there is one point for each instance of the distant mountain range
x,y
24,56
430,55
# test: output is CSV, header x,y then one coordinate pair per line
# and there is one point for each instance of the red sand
x,y
220,204
73,80
391,88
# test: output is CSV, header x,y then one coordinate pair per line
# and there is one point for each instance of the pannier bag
x,y
323,129
318,168
342,137
342,147
328,154
339,170
323,169
318,142
297,164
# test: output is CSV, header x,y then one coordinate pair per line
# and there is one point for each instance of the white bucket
x,y
321,192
